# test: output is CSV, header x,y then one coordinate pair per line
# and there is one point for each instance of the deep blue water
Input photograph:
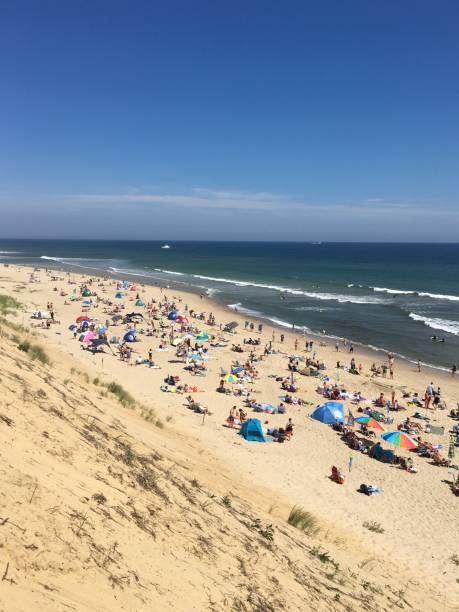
x,y
394,296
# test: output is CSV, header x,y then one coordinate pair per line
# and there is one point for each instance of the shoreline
x,y
367,350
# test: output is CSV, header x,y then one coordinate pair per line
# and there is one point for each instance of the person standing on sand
x,y
453,370
336,346
282,338
419,365
296,344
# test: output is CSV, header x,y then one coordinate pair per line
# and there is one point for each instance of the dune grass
x,y
303,520
8,304
35,351
123,396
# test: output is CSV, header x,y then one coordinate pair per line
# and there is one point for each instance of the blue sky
x,y
212,120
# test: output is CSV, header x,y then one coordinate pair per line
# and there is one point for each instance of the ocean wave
x,y
452,327
342,298
439,296
169,272
314,308
59,259
10,252
434,296
393,291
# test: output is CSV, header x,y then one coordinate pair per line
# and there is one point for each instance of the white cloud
x,y
203,198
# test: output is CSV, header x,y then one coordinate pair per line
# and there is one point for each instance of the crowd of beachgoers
x,y
116,319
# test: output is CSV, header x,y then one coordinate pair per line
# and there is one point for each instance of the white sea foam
x,y
439,296
169,272
434,296
393,291
342,298
452,327
59,259
10,252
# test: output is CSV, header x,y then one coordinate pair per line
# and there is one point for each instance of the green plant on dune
x,y
8,304
123,396
35,351
301,519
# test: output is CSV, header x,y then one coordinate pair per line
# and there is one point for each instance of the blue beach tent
x,y
253,431
329,412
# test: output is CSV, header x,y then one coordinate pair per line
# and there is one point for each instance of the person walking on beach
x,y
336,346
282,337
419,365
296,344
453,370
260,328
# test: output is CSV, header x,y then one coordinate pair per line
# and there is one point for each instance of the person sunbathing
x,y
336,475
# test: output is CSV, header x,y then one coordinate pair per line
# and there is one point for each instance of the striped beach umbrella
x,y
400,439
370,422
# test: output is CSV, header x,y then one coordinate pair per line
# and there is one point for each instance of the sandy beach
x,y
417,512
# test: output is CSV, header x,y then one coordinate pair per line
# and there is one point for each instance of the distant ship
x,y
165,246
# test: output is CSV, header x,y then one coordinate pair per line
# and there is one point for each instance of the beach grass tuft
x,y
8,304
373,526
35,351
303,520
123,396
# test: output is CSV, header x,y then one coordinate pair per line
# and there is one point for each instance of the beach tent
x,y
119,295
129,336
329,412
125,284
230,326
202,336
172,316
74,298
86,293
89,336
140,303
253,431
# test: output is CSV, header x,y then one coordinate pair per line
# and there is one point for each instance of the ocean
x,y
389,296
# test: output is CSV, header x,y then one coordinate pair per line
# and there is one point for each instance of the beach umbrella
x,y
370,422
230,378
172,315
83,318
236,370
400,439
329,412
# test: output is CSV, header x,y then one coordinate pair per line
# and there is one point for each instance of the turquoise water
x,y
393,296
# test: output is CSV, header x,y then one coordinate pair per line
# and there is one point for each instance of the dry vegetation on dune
x,y
93,519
